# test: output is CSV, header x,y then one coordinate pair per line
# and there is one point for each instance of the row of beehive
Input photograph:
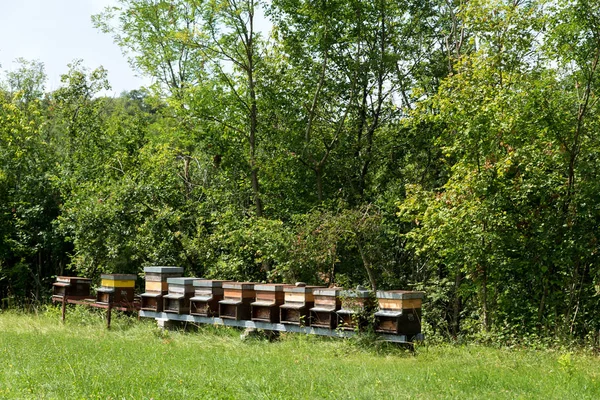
x,y
399,311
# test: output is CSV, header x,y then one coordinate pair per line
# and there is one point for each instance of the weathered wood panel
x,y
399,304
157,286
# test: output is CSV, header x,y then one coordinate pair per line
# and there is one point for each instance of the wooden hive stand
x,y
299,299
268,298
178,299
399,312
70,289
207,295
237,297
157,286
116,292
357,305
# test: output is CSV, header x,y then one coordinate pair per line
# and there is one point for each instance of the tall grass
x,y
40,358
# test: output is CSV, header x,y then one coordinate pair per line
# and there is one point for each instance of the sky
x,y
56,32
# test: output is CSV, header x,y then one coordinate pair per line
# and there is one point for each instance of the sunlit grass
x,y
42,358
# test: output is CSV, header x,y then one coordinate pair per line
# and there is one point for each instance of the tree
x,y
207,55
31,249
26,82
513,122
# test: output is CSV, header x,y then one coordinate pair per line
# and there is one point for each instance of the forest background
x,y
445,146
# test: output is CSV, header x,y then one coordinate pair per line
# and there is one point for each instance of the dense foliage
x,y
447,146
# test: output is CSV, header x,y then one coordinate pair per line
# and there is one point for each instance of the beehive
x,y
399,312
116,288
268,298
72,287
298,300
237,297
326,303
207,294
157,286
357,305
178,299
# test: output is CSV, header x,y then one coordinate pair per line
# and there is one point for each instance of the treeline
x,y
446,146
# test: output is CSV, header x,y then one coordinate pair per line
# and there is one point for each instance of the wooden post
x,y
64,308
108,315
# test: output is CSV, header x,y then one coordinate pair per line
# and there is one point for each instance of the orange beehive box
x,y
237,297
399,312
299,299
266,303
157,286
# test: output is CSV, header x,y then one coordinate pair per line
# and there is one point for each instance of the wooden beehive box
x,y
237,297
399,312
116,288
268,298
357,306
207,294
157,286
298,300
72,286
178,299
327,302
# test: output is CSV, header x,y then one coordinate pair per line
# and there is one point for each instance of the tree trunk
x,y
319,176
186,176
484,302
542,305
456,306
367,265
253,113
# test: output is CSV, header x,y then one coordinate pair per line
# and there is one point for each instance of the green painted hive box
x,y
357,306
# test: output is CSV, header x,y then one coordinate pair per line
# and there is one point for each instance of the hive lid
x,y
399,294
119,277
323,309
356,293
393,314
238,285
174,296
230,302
301,289
270,287
150,294
294,306
181,281
263,303
327,292
209,283
164,270
68,278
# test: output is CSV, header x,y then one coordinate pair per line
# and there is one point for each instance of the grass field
x,y
40,358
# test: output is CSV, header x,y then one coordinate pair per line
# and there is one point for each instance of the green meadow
x,y
41,358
